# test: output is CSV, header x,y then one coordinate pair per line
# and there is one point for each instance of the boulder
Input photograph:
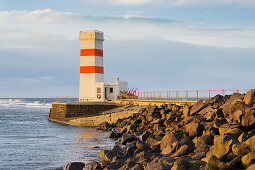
x,y
248,118
222,145
92,166
74,166
235,132
167,140
197,107
248,159
157,166
144,136
127,138
208,113
251,167
198,156
128,165
214,163
251,143
249,97
240,149
104,126
113,135
186,110
183,150
181,164
194,129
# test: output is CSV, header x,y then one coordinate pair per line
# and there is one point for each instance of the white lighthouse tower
x,y
92,86
91,66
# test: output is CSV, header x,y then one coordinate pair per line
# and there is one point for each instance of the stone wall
x,y
63,112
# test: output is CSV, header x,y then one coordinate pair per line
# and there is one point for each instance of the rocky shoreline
x,y
218,133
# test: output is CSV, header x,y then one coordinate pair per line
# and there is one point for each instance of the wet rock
x,y
248,159
249,97
197,107
127,138
92,166
141,146
104,126
194,129
113,135
240,149
74,166
167,140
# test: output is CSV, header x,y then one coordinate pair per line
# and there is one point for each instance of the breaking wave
x,y
26,102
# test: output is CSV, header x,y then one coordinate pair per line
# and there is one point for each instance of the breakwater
x,y
217,133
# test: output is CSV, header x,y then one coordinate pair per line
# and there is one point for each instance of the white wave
x,y
24,103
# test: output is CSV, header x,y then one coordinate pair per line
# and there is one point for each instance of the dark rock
x,y
104,126
251,143
198,156
128,165
181,164
127,138
240,149
92,166
114,135
214,163
157,166
141,146
197,107
151,141
194,129
74,166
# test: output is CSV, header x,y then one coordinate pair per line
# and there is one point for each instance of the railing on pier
x,y
184,95
162,95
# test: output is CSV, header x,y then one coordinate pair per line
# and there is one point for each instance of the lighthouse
x,y
92,86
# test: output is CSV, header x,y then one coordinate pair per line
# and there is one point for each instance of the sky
x,y
152,44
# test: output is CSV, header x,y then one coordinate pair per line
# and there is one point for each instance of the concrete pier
x,y
64,112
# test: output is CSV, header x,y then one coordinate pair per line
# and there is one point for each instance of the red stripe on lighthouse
x,y
91,52
91,69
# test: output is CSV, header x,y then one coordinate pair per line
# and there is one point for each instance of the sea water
x,y
29,141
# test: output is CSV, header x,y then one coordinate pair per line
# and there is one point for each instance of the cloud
x,y
39,53
33,28
176,2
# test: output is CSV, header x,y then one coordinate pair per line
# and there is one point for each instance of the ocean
x,y
29,141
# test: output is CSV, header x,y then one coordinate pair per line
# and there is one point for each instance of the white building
x,y
92,86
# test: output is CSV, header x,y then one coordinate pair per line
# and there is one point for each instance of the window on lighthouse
x,y
111,90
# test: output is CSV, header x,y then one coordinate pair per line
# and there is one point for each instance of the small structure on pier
x,y
92,85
